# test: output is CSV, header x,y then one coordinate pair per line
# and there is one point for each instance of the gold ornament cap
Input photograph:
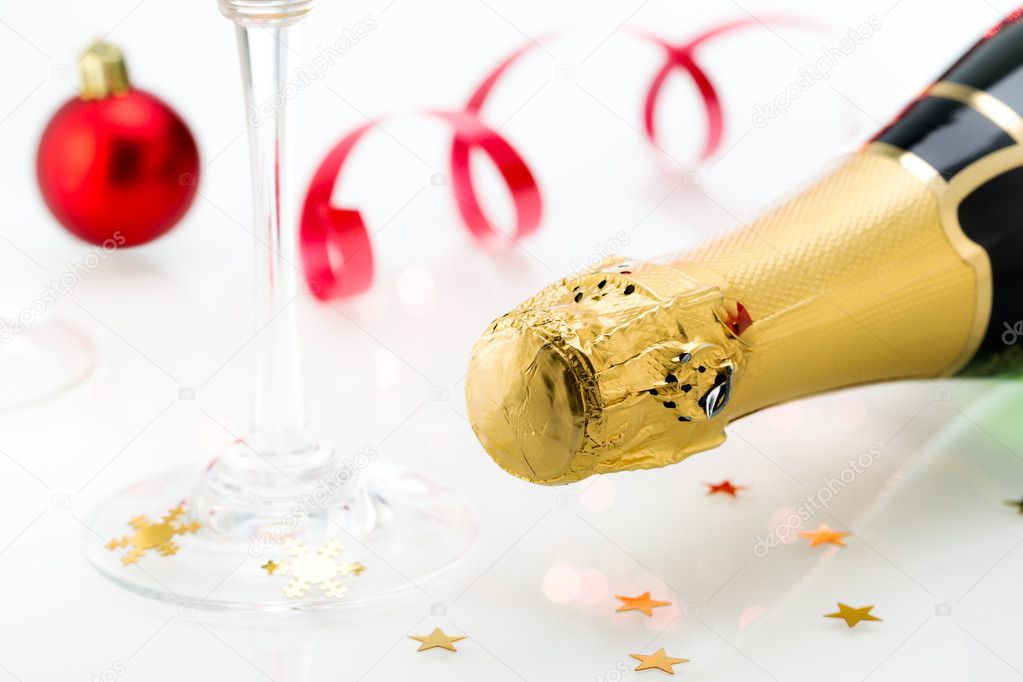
x,y
103,71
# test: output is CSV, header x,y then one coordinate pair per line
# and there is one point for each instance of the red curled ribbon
x,y
682,57
521,185
337,256
334,242
471,133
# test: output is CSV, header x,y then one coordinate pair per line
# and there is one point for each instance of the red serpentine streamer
x,y
337,256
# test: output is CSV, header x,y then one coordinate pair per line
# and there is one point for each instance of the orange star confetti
x,y
824,535
658,661
725,487
851,615
641,603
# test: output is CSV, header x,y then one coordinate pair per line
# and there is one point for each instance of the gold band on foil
x,y
984,103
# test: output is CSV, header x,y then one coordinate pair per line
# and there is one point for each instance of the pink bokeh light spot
x,y
598,494
750,615
785,417
847,412
561,584
593,587
665,617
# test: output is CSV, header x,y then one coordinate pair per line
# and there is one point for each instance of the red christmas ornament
x,y
116,163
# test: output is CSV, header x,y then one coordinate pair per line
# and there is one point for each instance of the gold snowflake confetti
x,y
308,568
158,536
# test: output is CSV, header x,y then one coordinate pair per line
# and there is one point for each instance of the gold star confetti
x,y
659,661
149,535
852,616
1015,503
308,568
357,568
725,487
641,603
437,639
824,535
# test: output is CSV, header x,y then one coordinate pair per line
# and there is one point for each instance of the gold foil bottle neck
x,y
601,372
640,365
103,71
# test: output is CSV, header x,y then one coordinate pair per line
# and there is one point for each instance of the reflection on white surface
x,y
417,291
41,360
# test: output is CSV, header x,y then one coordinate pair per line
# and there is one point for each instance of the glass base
x,y
402,529
41,362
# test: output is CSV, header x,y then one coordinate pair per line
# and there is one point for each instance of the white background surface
x,y
933,546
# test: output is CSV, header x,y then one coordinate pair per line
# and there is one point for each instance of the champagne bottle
x,y
905,261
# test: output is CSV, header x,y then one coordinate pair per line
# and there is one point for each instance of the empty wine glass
x,y
279,484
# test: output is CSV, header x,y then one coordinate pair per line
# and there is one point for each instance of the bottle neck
x,y
852,281
855,280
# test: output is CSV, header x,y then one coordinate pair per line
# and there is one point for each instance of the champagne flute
x,y
279,484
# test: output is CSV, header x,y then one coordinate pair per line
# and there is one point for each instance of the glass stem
x,y
278,412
